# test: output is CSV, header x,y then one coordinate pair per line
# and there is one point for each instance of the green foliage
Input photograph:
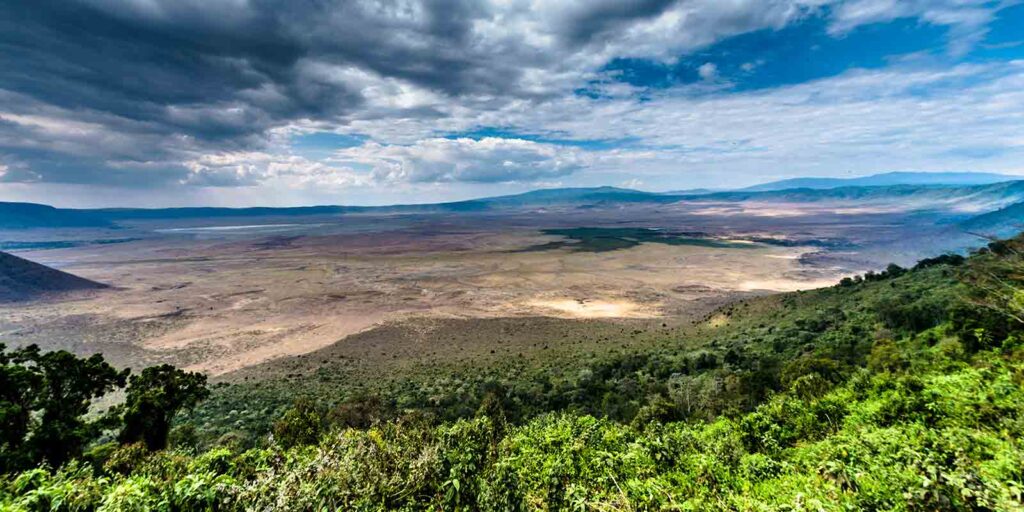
x,y
993,307
19,387
153,399
612,239
303,424
937,441
43,403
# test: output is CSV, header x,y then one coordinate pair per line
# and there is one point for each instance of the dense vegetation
x,y
900,390
45,400
612,239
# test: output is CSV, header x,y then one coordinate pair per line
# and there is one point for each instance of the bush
x,y
303,424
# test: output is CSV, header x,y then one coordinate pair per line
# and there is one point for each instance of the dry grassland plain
x,y
219,297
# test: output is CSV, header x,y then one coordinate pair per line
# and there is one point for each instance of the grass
x,y
590,239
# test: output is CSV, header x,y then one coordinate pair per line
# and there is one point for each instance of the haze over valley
x,y
220,290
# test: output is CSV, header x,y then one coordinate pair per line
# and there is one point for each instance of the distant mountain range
x,y
21,279
27,215
31,215
888,179
959,192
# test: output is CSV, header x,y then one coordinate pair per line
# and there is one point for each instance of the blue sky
x,y
243,102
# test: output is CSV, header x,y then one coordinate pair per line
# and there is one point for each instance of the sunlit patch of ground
x,y
753,209
593,308
784,285
797,209
718,320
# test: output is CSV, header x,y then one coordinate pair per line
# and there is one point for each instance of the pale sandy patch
x,y
718,320
751,209
784,285
251,344
587,308
315,339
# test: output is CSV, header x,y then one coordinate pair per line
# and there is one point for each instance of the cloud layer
x,y
211,93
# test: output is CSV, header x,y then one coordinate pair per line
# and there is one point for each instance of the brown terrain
x,y
221,295
223,305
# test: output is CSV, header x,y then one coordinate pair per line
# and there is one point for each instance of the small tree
x,y
829,372
154,398
303,424
69,384
19,388
886,356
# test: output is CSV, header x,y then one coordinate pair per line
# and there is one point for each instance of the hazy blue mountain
x,y
690,191
887,179
535,198
966,198
568,196
1001,223
961,198
211,212
21,279
31,215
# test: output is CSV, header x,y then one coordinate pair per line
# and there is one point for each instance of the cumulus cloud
x,y
708,71
488,160
251,168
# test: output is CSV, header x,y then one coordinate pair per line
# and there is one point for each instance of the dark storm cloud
x,y
121,62
601,17
32,166
218,74
135,60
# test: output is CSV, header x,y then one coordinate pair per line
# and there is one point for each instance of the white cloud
x,y
747,67
965,18
488,160
257,168
708,71
860,122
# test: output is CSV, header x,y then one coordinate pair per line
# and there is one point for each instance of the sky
x,y
297,102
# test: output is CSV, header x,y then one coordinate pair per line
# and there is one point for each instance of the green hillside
x,y
895,391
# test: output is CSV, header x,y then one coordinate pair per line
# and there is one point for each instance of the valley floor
x,y
221,303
